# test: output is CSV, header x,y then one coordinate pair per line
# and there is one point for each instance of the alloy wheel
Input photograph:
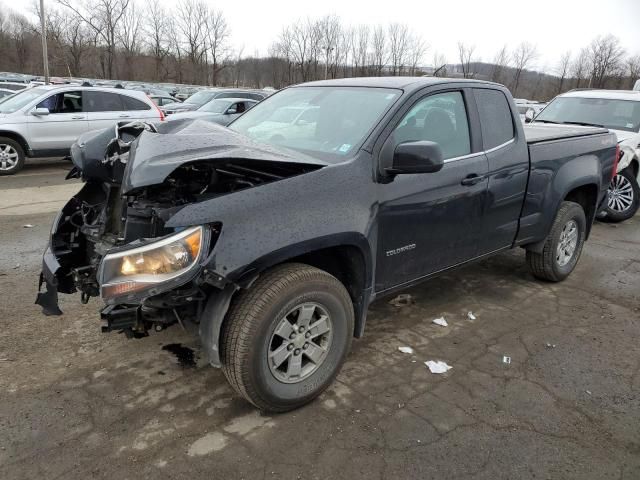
x,y
567,243
8,157
300,342
620,194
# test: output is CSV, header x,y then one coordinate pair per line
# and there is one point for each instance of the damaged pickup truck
x,y
273,236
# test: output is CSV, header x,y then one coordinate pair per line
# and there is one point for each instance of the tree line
x,y
191,43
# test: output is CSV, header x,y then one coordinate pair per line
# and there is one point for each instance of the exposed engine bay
x,y
111,212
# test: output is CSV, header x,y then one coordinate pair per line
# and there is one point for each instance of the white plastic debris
x,y
506,359
437,366
28,225
408,350
550,345
402,300
440,321
471,316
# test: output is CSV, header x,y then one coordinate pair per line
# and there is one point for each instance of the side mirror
x,y
39,112
231,111
416,157
529,114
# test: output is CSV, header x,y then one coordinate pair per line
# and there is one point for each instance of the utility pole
x,y
43,32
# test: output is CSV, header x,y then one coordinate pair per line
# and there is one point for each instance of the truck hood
x,y
151,153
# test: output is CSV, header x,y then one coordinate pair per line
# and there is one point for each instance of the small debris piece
x,y
550,345
588,392
408,350
437,366
506,359
402,300
27,225
440,321
470,315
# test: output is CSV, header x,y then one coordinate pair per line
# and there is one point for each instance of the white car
x,y
45,121
619,111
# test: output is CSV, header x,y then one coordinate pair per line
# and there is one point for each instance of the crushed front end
x,y
111,239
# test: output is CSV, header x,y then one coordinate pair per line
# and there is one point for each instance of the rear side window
x,y
495,117
131,103
103,102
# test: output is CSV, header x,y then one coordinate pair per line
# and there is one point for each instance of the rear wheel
x,y
286,337
11,156
623,197
563,245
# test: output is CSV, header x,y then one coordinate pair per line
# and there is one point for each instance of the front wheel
x,y
286,337
623,197
563,245
11,156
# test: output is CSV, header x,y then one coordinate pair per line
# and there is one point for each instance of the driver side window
x,y
67,102
440,118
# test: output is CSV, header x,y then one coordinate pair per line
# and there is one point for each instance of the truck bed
x,y
543,133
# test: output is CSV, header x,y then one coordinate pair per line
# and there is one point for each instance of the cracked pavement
x,y
75,403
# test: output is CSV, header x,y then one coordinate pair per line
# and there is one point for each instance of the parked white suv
x,y
45,121
619,111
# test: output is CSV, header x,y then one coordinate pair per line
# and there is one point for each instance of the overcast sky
x,y
554,26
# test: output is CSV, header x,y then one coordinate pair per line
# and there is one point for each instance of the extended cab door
x,y
65,122
508,157
431,221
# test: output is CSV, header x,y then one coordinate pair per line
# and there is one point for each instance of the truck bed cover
x,y
537,133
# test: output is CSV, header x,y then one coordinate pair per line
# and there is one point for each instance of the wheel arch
x,y
18,138
345,256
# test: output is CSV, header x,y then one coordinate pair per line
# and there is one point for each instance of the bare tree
x,y
633,68
465,54
500,62
563,69
103,17
417,51
580,67
217,36
523,55
191,15
157,39
605,55
128,35
398,47
378,49
329,32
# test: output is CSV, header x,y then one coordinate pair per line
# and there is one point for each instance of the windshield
x,y
200,98
20,99
331,121
216,106
610,113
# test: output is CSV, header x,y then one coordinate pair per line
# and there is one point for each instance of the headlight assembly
x,y
146,267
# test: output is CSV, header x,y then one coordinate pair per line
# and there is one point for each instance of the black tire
x,y
249,329
548,265
10,147
615,210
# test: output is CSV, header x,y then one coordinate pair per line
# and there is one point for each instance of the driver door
x,y
431,221
64,124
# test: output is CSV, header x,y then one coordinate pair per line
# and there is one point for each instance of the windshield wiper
x,y
544,121
584,124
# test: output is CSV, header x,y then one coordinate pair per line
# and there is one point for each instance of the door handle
x,y
124,115
472,179
77,117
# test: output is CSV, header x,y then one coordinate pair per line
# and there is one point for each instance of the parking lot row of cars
x,y
38,120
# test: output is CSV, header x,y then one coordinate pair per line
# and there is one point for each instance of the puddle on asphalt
x,y
185,355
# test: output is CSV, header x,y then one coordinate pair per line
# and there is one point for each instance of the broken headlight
x,y
144,268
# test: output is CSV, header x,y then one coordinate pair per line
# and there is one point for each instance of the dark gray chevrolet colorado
x,y
273,236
